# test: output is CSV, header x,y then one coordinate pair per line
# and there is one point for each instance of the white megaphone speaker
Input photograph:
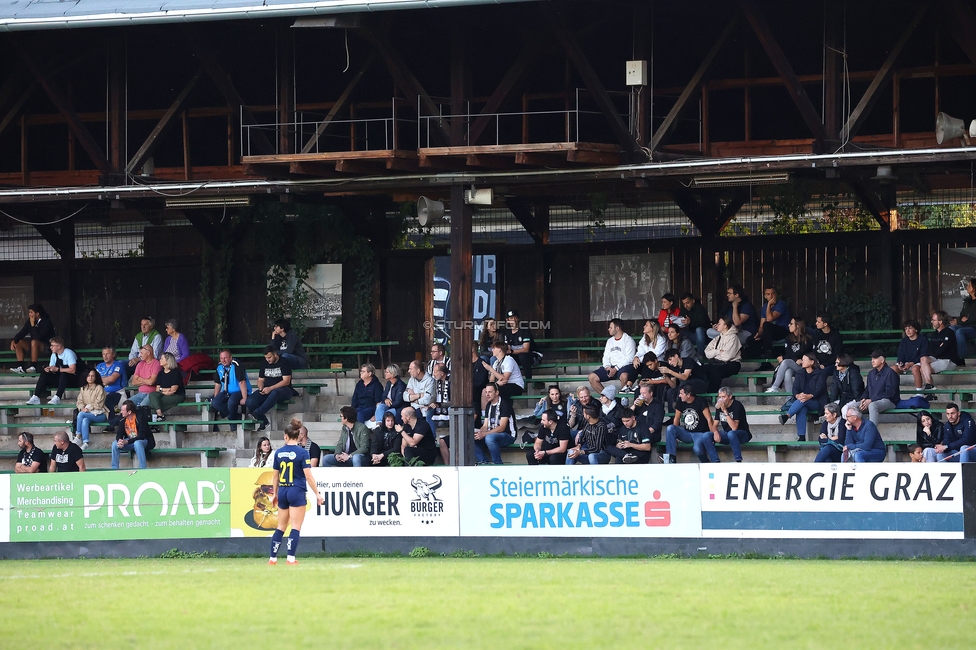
x,y
429,212
948,128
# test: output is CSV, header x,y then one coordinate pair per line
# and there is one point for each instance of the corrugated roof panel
x,y
22,15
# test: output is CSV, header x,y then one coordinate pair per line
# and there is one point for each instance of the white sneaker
x,y
34,400
19,370
31,369
772,389
84,446
54,400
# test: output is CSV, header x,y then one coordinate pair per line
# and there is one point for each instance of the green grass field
x,y
487,602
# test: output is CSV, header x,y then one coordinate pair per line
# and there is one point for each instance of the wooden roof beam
x,y
522,211
403,77
343,98
63,105
692,88
593,84
879,205
881,79
226,87
962,26
149,146
785,70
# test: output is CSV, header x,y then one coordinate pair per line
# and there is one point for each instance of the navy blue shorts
x,y
629,371
291,497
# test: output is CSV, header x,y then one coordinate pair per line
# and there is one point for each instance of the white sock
x,y
273,560
291,558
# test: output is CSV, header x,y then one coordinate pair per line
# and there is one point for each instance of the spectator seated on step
x,y
32,339
942,353
231,388
147,336
289,346
274,386
913,346
61,371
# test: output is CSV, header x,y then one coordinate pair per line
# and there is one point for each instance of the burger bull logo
x,y
426,506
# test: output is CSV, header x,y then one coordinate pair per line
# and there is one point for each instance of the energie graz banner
x,y
147,504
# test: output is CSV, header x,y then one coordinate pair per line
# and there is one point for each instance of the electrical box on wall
x,y
637,73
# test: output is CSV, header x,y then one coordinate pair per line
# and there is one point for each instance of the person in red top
x,y
670,312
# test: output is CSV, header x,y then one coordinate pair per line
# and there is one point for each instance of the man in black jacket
x,y
847,385
132,433
33,337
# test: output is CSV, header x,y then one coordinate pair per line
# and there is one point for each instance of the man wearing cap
x,y
520,340
882,392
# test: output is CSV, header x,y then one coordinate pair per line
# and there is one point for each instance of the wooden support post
x,y
896,111
24,169
833,67
705,126
458,123
187,164
462,338
286,91
116,102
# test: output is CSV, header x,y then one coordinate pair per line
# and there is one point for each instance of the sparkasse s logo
x,y
426,506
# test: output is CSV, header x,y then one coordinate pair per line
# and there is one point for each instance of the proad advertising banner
x,y
152,504
581,501
878,500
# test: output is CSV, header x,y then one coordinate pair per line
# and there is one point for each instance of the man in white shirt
x,y
618,358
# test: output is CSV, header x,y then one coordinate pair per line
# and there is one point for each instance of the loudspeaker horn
x,y
429,212
948,128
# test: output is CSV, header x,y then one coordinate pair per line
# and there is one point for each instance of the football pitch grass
x,y
487,602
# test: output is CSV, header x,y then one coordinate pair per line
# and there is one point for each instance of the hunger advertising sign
x,y
396,502
906,501
604,501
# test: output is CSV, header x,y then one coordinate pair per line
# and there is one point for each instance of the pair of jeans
x,y
228,405
673,434
381,411
258,403
85,420
963,334
140,399
785,373
364,415
828,454
701,340
493,442
733,439
355,460
800,410
139,446
966,454
868,455
594,458
297,363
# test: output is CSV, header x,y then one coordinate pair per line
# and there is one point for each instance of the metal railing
x,y
570,121
318,133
